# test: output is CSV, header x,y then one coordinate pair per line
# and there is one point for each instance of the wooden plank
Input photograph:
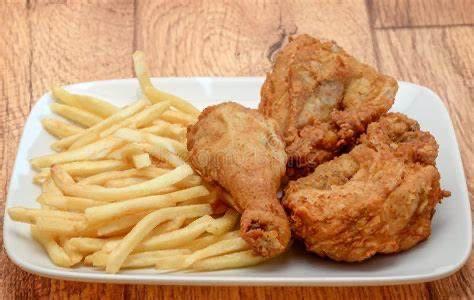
x,y
409,13
15,96
80,41
442,59
239,38
46,43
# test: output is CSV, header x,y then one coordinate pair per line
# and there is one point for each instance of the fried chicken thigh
x,y
378,198
239,149
322,99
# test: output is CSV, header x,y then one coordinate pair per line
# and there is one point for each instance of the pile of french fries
x,y
118,193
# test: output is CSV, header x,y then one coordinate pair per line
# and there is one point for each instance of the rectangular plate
x,y
443,253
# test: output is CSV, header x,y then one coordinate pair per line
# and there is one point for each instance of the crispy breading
x,y
322,99
378,198
239,149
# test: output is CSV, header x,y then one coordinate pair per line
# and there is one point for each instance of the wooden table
x,y
44,42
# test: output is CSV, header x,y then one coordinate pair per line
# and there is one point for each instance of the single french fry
x,y
173,116
59,128
224,223
67,203
145,226
135,136
89,168
114,210
177,237
99,179
152,93
57,254
171,262
148,259
75,115
29,215
63,181
87,245
123,182
209,239
93,133
228,261
91,104
120,224
94,151
59,226
218,248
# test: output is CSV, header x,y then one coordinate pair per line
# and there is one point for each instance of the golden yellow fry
x,y
101,178
135,136
59,128
138,120
118,225
209,239
93,133
57,254
68,203
91,104
89,168
228,261
218,248
114,210
123,182
145,226
75,115
177,237
168,226
67,185
152,93
163,154
87,245
148,259
141,160
93,151
29,215
170,262
224,223
173,116
60,226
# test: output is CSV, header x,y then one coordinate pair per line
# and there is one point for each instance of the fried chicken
x,y
239,149
322,99
378,198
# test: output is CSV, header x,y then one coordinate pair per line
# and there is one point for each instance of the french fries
x,y
59,128
93,105
119,193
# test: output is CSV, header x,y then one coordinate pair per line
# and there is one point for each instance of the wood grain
x,y
413,13
432,52
230,38
46,42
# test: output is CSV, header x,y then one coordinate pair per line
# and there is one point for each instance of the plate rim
x,y
166,279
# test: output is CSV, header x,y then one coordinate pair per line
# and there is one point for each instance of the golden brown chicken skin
x,y
322,99
239,149
378,198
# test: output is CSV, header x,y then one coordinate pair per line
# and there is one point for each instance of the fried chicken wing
x,y
322,99
378,198
239,149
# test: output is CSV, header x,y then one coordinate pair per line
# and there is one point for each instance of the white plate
x,y
443,253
